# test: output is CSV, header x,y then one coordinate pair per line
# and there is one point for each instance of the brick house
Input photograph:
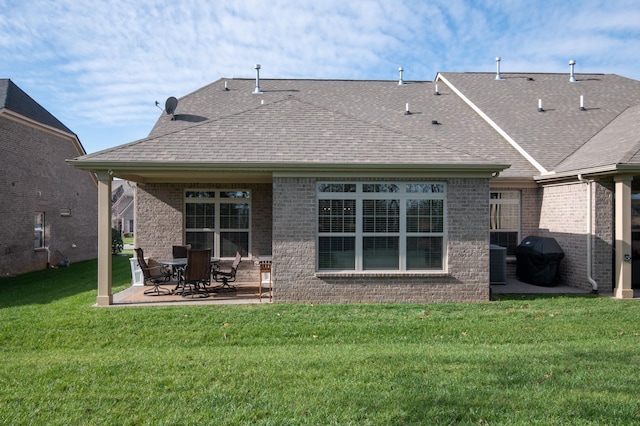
x,y
48,209
380,191
122,208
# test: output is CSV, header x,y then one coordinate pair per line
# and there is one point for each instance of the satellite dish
x,y
171,105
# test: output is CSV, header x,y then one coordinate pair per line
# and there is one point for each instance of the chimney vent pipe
x,y
572,78
498,76
401,81
257,91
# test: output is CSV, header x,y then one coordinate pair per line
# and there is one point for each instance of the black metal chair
x,y
197,274
180,252
226,277
153,275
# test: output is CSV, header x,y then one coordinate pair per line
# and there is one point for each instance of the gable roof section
x,y
339,123
286,134
562,129
15,99
380,103
617,143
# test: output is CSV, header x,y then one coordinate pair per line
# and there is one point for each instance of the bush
x,y
116,241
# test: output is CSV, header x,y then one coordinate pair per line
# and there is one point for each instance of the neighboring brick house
x,y
380,191
48,210
122,209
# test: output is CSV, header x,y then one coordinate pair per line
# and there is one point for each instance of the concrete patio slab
x,y
514,286
247,293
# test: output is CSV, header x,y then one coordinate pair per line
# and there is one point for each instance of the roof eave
x,y
611,169
148,171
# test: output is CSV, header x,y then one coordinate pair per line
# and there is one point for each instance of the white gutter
x,y
497,128
593,282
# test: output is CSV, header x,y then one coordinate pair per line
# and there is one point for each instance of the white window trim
x,y
402,196
512,201
42,231
217,200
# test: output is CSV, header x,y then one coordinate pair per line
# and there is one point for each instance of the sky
x,y
99,66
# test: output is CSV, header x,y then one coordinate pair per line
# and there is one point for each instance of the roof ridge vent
x,y
257,91
498,76
400,81
572,78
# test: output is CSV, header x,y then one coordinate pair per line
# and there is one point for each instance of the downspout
x,y
593,282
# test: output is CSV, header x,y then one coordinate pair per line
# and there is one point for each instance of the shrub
x,y
116,241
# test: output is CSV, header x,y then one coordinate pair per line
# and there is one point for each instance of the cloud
x,y
99,65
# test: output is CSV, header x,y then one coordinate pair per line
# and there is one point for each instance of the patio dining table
x,y
179,263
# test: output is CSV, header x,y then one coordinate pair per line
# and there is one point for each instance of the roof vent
x,y
226,89
572,64
401,81
435,122
257,91
540,109
498,76
582,108
436,92
406,109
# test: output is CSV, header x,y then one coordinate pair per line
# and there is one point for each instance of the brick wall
x,y
295,279
35,178
603,234
529,211
563,217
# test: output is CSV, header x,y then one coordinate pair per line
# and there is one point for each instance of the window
x,y
219,220
38,230
505,220
381,226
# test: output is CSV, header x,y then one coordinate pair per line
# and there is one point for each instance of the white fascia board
x,y
279,167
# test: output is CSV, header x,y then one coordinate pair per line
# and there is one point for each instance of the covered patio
x,y
249,293
246,294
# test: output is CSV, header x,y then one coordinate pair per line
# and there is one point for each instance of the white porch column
x,y
105,297
623,288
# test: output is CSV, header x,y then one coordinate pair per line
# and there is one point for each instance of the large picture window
x,y
381,226
219,220
505,220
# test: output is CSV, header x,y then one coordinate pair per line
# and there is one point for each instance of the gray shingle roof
x,y
561,131
617,143
363,122
290,131
321,122
16,100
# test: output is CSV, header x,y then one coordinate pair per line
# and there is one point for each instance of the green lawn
x,y
519,360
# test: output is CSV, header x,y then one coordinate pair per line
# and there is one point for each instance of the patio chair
x,y
180,251
225,277
197,274
153,275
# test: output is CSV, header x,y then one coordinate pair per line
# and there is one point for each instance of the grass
x,y
519,360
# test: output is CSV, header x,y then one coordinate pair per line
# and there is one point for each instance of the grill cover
x,y
538,260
